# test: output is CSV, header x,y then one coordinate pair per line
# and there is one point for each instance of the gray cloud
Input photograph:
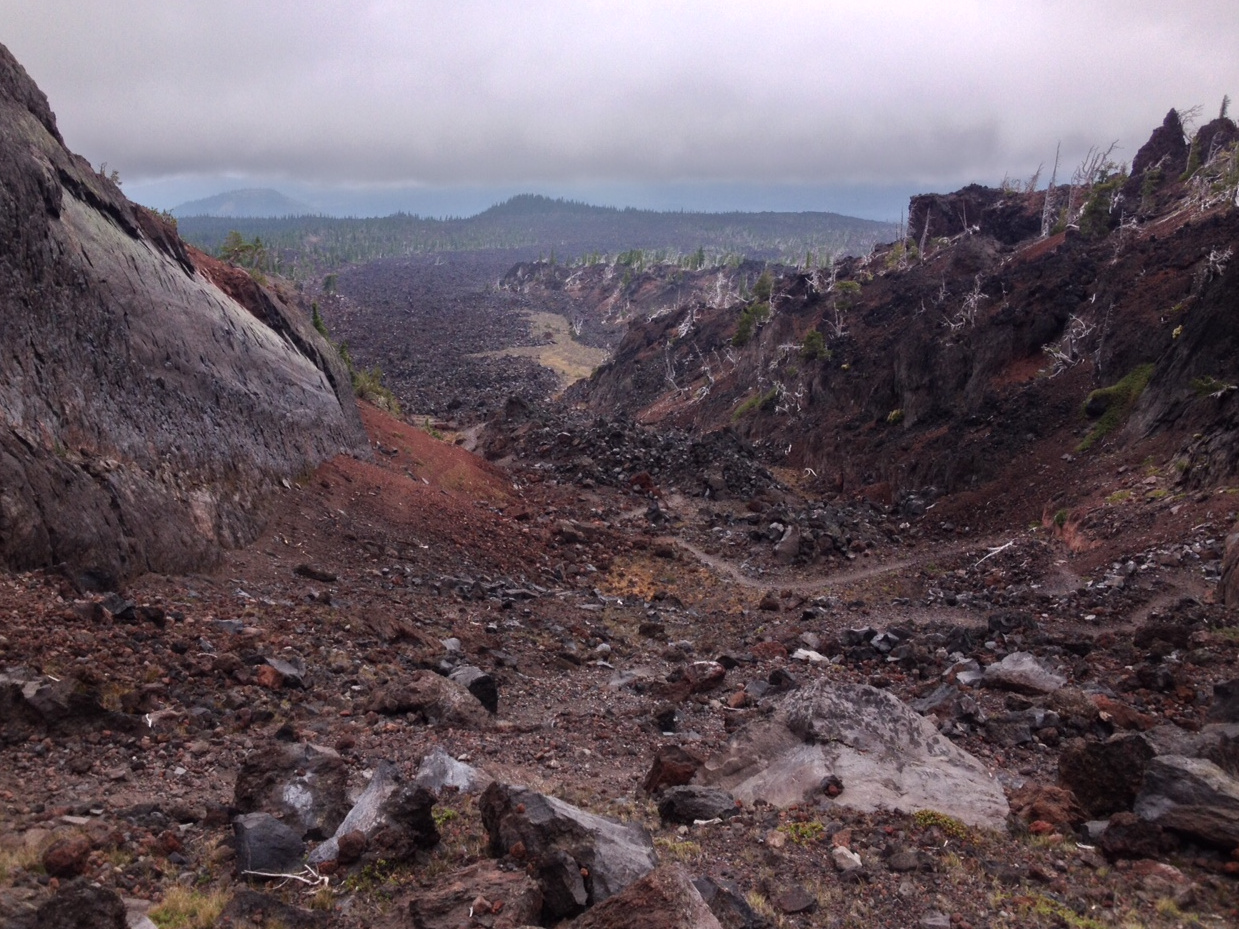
x,y
579,93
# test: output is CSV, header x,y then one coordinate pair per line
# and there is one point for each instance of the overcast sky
x,y
778,104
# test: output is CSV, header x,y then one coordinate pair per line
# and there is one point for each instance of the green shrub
x,y
1097,219
756,402
752,315
317,319
894,417
368,386
764,288
814,346
1118,400
1209,385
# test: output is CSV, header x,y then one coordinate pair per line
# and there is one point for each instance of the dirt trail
x,y
852,576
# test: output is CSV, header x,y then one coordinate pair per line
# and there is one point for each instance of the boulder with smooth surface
x,y
888,756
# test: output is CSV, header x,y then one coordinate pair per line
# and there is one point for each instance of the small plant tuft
x,y
948,824
1116,401
804,833
756,402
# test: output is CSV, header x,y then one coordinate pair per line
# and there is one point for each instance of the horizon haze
x,y
378,107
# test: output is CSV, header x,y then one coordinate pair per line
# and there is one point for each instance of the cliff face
x,y
145,413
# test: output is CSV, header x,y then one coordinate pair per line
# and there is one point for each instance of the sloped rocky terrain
x,y
644,658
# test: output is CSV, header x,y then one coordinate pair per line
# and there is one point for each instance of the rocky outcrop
x,y
147,414
1159,161
987,210
885,755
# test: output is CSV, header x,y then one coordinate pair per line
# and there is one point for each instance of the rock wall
x,y
146,414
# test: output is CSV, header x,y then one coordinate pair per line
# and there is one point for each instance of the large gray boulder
x,y
151,399
578,858
394,817
439,770
1024,673
1192,796
886,755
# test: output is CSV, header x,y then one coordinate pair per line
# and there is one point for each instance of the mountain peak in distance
x,y
255,202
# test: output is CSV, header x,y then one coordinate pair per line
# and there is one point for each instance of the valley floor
x,y
588,606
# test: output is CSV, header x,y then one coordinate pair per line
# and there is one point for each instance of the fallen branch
x,y
314,879
995,551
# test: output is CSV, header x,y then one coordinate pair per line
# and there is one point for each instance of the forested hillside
x,y
567,230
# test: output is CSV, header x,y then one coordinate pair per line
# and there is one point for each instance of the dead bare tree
x,y
966,317
1047,208
1094,168
1069,351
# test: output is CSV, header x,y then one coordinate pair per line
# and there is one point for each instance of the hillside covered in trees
x,y
297,245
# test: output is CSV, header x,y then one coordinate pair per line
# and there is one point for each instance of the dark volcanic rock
x,y
79,905
266,845
251,908
1192,796
579,858
394,819
1160,160
1129,836
688,804
673,766
663,899
989,209
306,784
477,893
1105,776
480,684
147,434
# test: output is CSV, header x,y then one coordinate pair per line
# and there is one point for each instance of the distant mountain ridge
x,y
565,228
253,202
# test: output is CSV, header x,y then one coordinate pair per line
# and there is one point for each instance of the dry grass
x,y
186,908
13,860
